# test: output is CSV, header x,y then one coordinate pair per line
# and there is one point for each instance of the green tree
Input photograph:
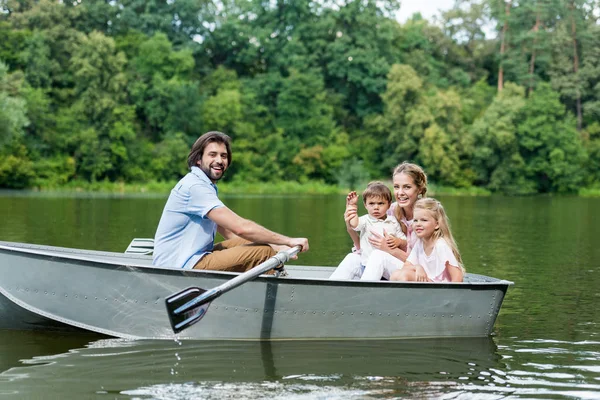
x,y
496,160
473,53
12,43
166,99
590,74
15,167
13,109
426,49
106,124
360,53
591,142
424,125
550,144
302,110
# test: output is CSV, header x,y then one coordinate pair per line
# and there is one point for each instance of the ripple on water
x,y
250,391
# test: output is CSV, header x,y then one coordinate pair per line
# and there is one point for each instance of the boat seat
x,y
140,246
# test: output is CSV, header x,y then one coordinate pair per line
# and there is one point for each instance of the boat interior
x,y
138,254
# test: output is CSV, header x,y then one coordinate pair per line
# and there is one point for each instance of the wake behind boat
x,y
123,295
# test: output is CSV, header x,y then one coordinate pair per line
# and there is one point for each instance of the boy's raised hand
x,y
352,200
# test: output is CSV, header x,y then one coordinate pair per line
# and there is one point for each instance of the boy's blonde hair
x,y
439,214
377,189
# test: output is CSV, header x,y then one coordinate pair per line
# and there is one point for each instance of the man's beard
x,y
209,173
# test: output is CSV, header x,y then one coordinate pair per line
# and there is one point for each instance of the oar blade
x,y
182,320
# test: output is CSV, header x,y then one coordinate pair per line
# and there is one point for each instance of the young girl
x,y
435,257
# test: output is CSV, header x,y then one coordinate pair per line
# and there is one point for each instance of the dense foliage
x,y
309,90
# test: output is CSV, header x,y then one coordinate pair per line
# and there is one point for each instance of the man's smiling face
x,y
214,161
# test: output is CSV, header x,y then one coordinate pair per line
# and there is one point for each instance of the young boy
x,y
377,199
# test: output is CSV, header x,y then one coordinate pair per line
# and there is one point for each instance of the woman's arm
x,y
380,242
350,214
398,242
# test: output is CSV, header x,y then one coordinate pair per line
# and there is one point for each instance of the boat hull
x,y
124,296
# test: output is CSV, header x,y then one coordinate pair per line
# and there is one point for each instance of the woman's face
x,y
405,190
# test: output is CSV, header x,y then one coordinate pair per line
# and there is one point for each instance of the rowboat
x,y
123,295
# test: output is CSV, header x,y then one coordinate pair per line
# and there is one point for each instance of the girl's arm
x,y
456,273
421,275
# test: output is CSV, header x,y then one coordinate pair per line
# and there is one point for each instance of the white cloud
x,y
427,8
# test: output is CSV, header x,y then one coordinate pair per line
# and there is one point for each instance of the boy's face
x,y
377,206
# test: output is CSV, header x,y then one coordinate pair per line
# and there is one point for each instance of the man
x,y
193,214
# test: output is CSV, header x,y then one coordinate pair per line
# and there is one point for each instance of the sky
x,y
427,8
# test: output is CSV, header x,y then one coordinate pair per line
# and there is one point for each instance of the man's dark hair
x,y
203,141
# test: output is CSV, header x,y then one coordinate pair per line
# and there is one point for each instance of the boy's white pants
x,y
348,269
380,265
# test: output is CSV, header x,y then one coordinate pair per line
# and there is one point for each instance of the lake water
x,y
546,341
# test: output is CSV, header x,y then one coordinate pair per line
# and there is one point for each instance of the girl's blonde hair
x,y
419,179
444,232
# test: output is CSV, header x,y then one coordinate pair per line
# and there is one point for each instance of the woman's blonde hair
x,y
444,232
419,179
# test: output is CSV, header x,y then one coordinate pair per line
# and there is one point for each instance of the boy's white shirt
x,y
368,224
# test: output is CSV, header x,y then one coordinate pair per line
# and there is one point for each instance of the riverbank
x,y
242,188
258,188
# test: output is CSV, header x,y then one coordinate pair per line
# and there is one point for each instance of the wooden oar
x,y
188,306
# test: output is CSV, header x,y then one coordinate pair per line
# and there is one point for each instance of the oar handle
x,y
280,258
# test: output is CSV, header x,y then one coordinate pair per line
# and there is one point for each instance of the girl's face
x,y
424,223
405,190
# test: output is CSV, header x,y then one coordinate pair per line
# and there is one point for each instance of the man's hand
x,y
302,242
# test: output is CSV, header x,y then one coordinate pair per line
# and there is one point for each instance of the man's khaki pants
x,y
235,255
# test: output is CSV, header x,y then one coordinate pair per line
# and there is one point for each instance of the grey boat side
x,y
122,295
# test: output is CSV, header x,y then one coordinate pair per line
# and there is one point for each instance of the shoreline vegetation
x,y
256,188
238,188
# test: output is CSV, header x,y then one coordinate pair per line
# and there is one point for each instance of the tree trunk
x,y
532,61
503,46
576,65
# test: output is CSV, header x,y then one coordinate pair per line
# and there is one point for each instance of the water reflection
x,y
205,369
447,368
23,345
